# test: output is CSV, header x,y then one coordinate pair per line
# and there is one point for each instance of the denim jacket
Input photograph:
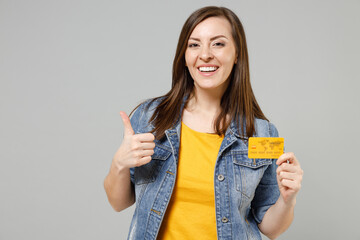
x,y
244,188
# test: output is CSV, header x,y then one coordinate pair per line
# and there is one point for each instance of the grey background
x,y
68,67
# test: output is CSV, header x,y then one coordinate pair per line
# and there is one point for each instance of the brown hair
x,y
238,99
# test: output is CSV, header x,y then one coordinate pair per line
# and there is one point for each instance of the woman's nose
x,y
206,54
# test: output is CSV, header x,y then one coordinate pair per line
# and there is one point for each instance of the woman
x,y
184,159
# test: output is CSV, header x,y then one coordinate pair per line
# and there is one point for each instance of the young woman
x,y
184,158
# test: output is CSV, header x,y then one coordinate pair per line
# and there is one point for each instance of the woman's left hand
x,y
289,176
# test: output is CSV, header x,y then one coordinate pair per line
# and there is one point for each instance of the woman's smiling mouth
x,y
207,70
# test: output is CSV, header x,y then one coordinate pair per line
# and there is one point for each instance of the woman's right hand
x,y
135,149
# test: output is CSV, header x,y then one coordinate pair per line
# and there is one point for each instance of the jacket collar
x,y
232,129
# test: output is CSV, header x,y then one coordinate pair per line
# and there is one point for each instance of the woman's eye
x,y
193,45
219,44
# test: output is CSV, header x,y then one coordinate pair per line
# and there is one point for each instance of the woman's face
x,y
211,54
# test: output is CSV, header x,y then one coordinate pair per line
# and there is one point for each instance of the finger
x,y
288,175
289,156
143,161
146,153
145,137
287,167
294,185
128,130
141,153
147,145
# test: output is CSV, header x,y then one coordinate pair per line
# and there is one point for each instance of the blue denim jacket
x,y
244,188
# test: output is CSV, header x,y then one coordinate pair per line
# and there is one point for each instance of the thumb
x,y
128,130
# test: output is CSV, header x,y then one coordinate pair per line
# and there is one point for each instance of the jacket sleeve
x,y
267,192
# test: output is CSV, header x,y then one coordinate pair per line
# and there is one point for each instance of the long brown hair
x,y
238,100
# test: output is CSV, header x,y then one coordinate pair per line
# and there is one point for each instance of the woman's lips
x,y
207,73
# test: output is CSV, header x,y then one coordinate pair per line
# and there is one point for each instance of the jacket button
x,y
221,177
224,219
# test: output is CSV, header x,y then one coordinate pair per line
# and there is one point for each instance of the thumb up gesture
x,y
135,149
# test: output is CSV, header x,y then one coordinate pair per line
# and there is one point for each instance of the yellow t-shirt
x,y
191,210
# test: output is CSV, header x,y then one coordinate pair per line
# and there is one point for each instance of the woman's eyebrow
x,y
211,39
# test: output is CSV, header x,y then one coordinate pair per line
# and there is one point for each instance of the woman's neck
x,y
204,102
201,111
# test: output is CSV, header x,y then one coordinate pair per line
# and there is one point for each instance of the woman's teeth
x,y
208,69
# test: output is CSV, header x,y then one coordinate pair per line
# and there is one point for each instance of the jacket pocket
x,y
147,173
248,172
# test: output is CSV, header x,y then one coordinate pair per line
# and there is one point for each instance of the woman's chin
x,y
209,86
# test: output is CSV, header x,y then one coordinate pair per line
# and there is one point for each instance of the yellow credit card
x,y
265,147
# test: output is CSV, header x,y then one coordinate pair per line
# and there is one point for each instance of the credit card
x,y
265,147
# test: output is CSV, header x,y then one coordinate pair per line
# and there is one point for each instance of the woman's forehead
x,y
211,27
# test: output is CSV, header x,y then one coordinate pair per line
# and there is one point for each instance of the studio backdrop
x,y
68,67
